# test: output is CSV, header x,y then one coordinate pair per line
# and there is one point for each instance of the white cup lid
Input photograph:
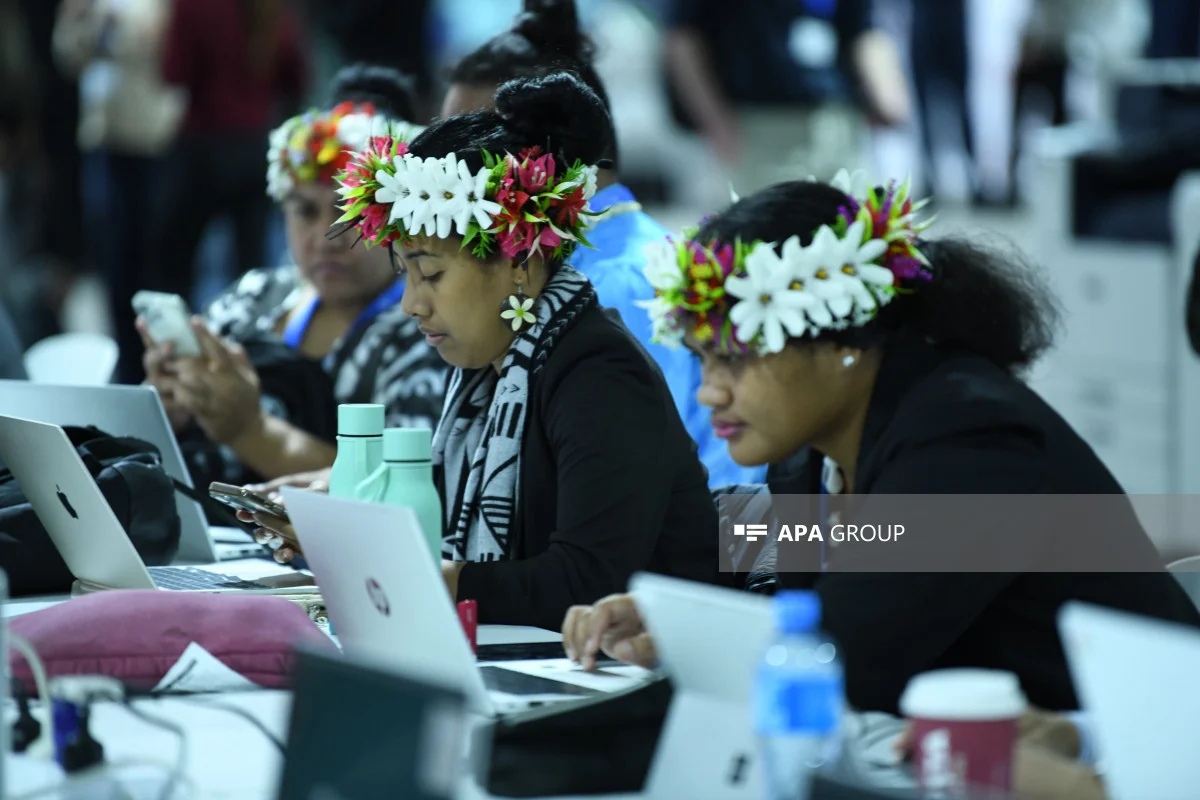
x,y
963,695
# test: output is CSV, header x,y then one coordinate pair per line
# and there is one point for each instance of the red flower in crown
x,y
567,210
535,172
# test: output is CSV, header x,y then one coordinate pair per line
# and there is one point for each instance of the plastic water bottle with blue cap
x,y
359,447
799,698
405,478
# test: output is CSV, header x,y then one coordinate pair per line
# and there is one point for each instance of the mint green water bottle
x,y
359,447
405,478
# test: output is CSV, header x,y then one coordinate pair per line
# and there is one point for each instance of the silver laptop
x,y
83,527
1137,679
129,411
710,640
389,606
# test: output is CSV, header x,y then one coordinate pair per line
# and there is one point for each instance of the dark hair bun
x,y
560,113
390,91
552,27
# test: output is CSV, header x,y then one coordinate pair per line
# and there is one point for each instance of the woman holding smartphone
x,y
561,460
283,346
824,319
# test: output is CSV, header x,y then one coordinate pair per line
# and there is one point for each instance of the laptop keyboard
x,y
192,579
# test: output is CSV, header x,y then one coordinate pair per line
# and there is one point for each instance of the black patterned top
x,y
385,361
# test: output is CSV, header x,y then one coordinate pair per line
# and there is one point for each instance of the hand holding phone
x,y
242,499
168,319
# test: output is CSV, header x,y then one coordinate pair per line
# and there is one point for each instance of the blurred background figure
x,y
386,33
938,54
128,118
46,204
782,90
243,63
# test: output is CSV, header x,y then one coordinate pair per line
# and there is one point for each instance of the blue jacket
x,y
614,264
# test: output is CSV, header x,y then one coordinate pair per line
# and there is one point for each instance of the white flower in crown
x,y
589,182
854,184
662,327
467,200
519,311
394,190
767,303
662,266
279,180
845,273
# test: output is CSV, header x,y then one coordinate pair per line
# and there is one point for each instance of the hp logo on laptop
x,y
378,598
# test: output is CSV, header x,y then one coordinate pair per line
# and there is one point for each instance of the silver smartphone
x,y
168,320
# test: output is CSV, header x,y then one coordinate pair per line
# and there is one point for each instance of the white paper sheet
x,y
198,670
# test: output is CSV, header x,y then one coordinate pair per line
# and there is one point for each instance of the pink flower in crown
x,y
536,173
374,219
518,238
725,257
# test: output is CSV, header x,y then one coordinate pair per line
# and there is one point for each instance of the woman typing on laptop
x,y
895,359
336,313
561,458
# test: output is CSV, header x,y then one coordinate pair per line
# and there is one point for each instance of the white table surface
x,y
226,756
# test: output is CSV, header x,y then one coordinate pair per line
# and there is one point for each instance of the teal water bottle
x,y
359,447
405,478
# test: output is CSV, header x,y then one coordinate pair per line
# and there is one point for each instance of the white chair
x,y
1187,572
73,359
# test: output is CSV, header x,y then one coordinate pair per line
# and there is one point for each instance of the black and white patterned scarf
x,y
478,440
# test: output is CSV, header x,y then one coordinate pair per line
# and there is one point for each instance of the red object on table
x,y
468,615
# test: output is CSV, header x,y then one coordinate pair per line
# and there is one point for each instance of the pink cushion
x,y
137,635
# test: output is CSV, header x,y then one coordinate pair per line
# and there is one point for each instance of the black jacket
x,y
610,484
942,422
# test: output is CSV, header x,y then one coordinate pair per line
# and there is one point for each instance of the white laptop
x,y
83,527
710,640
129,411
1138,679
389,607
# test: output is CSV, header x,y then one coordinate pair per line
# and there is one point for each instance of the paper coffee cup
x,y
964,728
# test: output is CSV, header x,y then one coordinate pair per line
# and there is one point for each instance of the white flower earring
x,y
848,361
517,309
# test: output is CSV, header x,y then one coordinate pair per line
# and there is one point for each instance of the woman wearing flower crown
x,y
824,320
562,461
338,307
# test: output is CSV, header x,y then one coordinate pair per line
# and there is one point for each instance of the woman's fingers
x,y
638,650
575,630
285,554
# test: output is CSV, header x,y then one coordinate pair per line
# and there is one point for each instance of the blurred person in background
x,y
782,90
284,346
938,53
128,118
387,33
545,38
240,62
52,213
12,352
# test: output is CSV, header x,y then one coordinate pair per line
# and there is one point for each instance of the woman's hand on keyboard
x,y
612,626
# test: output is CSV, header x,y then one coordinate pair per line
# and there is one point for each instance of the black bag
x,y
130,475
595,746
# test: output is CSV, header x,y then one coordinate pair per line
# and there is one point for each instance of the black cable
x,y
166,725
27,729
194,699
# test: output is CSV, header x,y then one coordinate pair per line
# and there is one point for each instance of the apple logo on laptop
x,y
378,598
62,498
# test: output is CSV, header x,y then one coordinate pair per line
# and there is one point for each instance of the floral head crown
x,y
516,204
315,146
747,298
